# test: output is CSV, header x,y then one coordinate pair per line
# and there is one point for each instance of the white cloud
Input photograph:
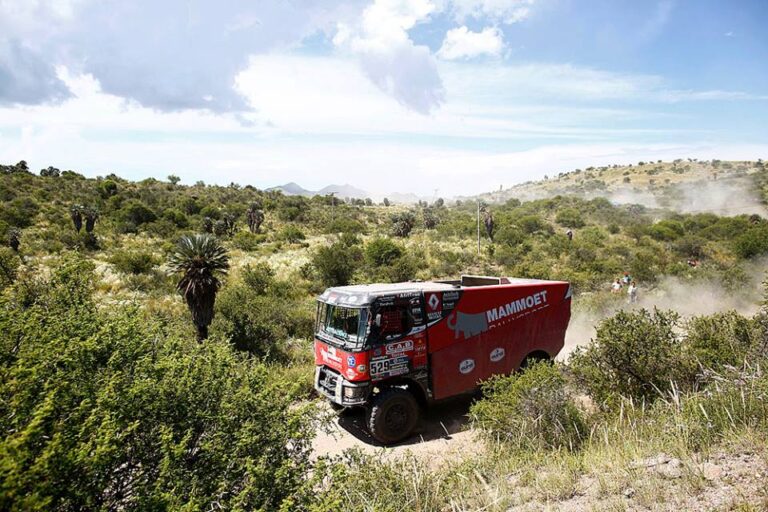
x,y
460,43
503,11
390,58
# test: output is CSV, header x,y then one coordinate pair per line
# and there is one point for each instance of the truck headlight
x,y
356,392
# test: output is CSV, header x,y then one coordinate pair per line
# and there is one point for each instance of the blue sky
x,y
388,95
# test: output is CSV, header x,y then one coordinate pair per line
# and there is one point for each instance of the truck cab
x,y
394,348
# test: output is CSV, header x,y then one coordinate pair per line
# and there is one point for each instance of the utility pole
x,y
478,226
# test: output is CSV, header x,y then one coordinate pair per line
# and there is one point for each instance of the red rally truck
x,y
393,348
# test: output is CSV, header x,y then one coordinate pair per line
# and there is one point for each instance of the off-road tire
x,y
392,415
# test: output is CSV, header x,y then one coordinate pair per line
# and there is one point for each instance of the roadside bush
x,y
259,278
532,409
402,223
134,262
634,354
721,339
114,411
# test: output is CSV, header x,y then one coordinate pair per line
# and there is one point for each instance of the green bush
x,y
247,241
111,410
291,234
20,212
721,339
532,409
137,213
569,217
178,218
336,264
635,355
382,251
259,278
751,243
9,264
134,262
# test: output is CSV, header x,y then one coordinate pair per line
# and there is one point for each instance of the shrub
x,y
20,212
9,264
569,217
291,234
259,278
247,241
211,212
532,224
721,339
751,243
531,409
137,213
382,251
116,412
177,217
134,262
634,354
336,264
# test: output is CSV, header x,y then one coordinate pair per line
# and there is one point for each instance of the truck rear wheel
x,y
392,416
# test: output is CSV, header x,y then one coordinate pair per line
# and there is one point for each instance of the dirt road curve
x,y
442,434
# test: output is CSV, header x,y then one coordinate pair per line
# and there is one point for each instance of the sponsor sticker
x,y
450,295
330,355
497,354
400,346
433,302
467,366
351,373
361,368
351,361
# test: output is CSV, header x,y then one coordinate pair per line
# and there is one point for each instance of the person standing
x,y
616,286
632,292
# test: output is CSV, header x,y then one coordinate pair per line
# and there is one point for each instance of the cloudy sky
x,y
458,96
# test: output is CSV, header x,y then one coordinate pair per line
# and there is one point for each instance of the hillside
x,y
688,186
100,357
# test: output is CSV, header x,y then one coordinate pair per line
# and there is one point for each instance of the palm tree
x,y
199,260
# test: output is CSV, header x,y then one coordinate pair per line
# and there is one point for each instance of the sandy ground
x,y
443,434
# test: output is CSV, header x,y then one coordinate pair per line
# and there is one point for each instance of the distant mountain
x,y
346,190
292,189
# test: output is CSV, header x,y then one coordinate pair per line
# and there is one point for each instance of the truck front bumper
x,y
339,390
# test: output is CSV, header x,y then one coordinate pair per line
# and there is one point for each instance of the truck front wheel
x,y
392,415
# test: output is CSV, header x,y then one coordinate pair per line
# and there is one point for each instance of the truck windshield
x,y
347,325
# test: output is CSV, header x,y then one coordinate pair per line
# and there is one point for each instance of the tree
x,y
254,217
14,239
91,215
489,224
173,179
386,202
76,214
51,172
402,223
199,260
430,219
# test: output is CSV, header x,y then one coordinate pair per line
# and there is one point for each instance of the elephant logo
x,y
467,324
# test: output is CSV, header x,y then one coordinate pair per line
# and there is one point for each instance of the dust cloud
x,y
726,197
687,298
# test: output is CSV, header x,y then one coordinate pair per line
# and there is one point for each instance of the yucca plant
x,y
91,216
200,260
14,238
255,217
76,213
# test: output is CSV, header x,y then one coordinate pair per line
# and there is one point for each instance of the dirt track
x,y
443,432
